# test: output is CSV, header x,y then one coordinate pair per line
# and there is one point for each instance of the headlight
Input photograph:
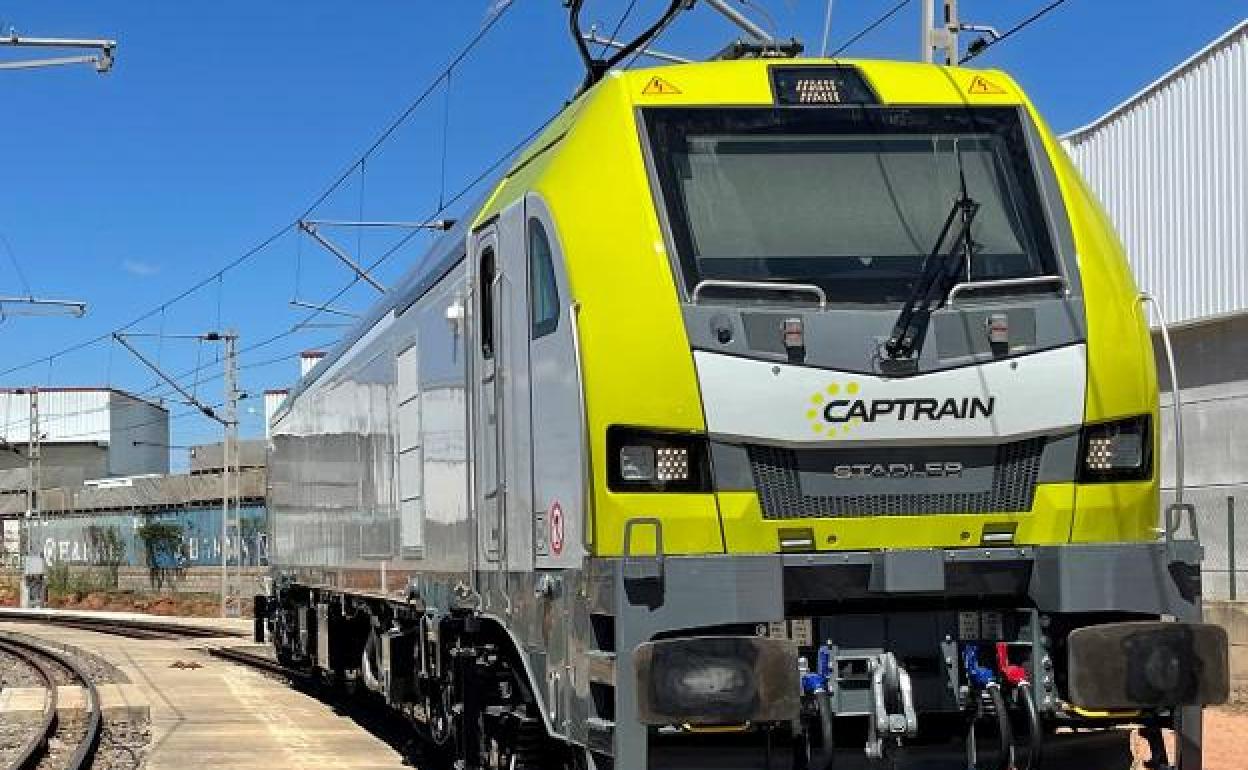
x,y
656,461
1117,451
637,463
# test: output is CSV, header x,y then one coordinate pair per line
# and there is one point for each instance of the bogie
x,y
457,677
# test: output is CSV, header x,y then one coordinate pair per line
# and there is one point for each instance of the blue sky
x,y
222,121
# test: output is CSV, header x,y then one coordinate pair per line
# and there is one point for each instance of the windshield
x,y
848,199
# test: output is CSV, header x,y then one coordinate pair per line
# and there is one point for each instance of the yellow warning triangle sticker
x,y
981,85
659,87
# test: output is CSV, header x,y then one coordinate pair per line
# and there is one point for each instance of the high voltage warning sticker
x,y
659,87
982,86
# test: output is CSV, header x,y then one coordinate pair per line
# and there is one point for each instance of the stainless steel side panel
x,y
335,474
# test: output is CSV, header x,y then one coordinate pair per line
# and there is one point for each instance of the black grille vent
x,y
780,491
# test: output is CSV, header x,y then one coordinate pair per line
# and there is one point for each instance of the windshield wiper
x,y
940,270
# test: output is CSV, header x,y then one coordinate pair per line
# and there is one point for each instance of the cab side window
x,y
487,303
543,290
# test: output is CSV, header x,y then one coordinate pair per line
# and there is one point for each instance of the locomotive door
x,y
503,458
489,482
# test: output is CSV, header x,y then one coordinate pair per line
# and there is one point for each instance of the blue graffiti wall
x,y
88,540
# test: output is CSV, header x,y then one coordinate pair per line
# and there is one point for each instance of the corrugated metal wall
x,y
1171,167
273,400
79,416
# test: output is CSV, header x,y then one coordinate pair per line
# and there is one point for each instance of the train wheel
x,y
530,744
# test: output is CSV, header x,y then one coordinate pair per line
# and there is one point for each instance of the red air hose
x,y
1016,677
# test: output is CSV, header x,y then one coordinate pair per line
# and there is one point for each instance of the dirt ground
x,y
187,605
1226,740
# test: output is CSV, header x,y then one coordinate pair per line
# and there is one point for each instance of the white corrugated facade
x,y
272,402
1171,167
130,435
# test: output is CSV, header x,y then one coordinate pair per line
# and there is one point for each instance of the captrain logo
x,y
823,400
839,408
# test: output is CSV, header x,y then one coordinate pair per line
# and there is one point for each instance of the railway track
x,y
130,628
382,723
43,661
267,665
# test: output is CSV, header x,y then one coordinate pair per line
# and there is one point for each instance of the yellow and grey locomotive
x,y
797,411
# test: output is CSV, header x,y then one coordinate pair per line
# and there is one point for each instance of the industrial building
x,y
75,520
102,473
1170,165
84,433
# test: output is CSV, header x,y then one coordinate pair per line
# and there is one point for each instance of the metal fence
x,y
1222,518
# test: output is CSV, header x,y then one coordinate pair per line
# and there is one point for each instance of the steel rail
x,y
33,749
84,752
134,629
267,665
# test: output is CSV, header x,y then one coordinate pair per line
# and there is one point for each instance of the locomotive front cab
x,y
929,398
889,326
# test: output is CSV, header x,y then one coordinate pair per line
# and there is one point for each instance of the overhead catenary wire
x,y
142,403
880,21
17,266
472,184
218,276
642,51
619,25
407,112
83,345
486,173
1012,30
274,236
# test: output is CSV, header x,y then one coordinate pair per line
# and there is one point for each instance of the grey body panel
x,y
335,478
849,338
559,445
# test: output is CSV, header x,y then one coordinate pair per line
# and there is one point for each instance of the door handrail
x,y
808,288
587,463
1007,283
1176,395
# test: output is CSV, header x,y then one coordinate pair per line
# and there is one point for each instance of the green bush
x,y
164,550
64,581
108,550
58,578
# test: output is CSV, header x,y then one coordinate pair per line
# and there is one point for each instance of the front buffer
x,y
927,658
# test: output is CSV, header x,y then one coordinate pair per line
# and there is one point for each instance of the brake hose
x,y
1005,759
1016,677
983,680
1035,743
